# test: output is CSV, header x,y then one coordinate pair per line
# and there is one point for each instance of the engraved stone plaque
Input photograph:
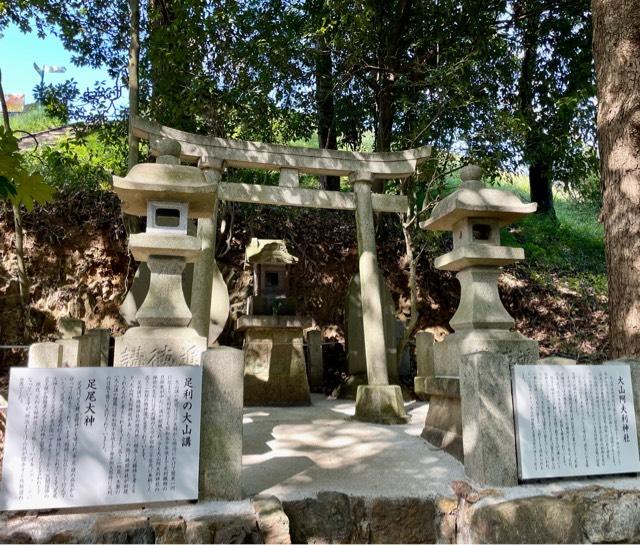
x,y
574,420
101,436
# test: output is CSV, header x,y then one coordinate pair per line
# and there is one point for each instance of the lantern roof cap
x,y
473,200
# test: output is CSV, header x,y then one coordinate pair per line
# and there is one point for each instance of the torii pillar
x,y
378,401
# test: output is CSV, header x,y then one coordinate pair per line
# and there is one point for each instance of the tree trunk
x,y
327,138
134,55
132,223
616,48
540,181
23,281
540,187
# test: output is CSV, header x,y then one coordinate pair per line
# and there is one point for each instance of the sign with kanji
x,y
101,436
574,420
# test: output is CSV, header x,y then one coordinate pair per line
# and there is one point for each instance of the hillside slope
x,y
78,265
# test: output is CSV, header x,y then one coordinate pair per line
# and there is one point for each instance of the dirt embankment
x,y
78,265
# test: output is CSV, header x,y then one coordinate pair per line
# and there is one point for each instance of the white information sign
x,y
101,436
574,420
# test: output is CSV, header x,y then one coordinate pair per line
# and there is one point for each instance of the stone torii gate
x,y
378,401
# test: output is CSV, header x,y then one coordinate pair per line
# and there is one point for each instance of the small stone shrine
x,y
168,194
471,411
274,363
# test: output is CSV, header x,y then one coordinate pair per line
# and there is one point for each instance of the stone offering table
x,y
274,363
471,412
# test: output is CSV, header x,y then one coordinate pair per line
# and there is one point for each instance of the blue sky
x,y
19,51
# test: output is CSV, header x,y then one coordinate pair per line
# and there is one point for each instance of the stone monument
x,y
471,412
356,357
274,363
168,194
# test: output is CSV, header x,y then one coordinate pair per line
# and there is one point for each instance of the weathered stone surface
x,y
122,530
530,520
164,305
165,182
424,362
158,346
274,366
316,369
475,200
241,154
443,425
45,355
89,350
488,432
68,327
381,404
334,517
375,345
404,520
70,352
356,357
289,322
209,293
198,531
613,518
105,339
272,520
221,429
480,304
445,520
404,359
170,532
325,519
556,360
140,286
237,533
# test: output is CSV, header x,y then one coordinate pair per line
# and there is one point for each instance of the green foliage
x,y
572,245
17,183
87,163
34,119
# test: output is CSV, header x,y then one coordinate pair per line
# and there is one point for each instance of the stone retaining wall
x,y
588,515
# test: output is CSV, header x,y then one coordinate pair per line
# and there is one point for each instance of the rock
x,y
614,518
68,327
403,520
122,530
172,532
539,519
326,519
272,520
198,531
237,533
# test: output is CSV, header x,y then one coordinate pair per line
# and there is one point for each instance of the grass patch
x,y
572,247
34,119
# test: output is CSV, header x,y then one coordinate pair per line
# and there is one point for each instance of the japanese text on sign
x,y
100,436
574,420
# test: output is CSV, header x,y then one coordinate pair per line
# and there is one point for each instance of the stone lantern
x,y
168,194
470,412
274,363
